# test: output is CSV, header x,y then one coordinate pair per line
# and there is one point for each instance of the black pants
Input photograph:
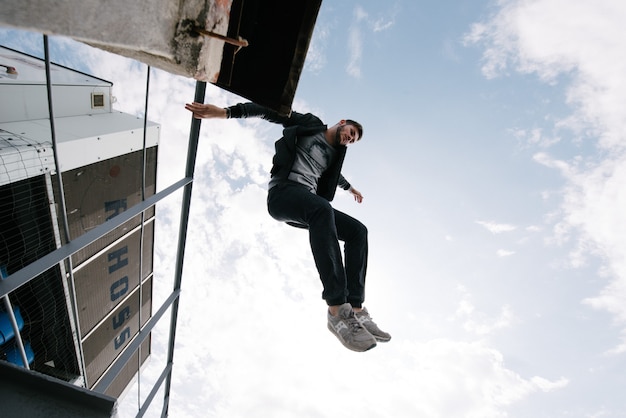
x,y
293,203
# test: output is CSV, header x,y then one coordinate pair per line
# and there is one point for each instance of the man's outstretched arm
x,y
206,111
238,111
250,110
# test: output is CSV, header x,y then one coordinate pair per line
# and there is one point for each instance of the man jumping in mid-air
x,y
305,174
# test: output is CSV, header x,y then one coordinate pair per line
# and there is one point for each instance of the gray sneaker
x,y
365,320
348,330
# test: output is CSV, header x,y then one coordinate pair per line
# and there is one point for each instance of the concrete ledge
x,y
151,31
25,393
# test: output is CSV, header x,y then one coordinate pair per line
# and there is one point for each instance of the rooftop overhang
x,y
278,33
253,48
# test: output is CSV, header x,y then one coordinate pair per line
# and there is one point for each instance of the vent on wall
x,y
97,100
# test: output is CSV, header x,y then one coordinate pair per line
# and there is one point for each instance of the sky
x,y
492,167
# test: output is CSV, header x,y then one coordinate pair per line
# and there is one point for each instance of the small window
x,y
97,100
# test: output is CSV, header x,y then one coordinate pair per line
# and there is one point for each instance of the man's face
x,y
346,134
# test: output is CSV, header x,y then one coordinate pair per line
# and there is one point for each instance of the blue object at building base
x,y
11,353
6,329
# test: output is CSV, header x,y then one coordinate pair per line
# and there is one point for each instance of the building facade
x,y
77,317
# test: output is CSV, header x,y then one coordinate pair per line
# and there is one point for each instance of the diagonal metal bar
x,y
157,385
122,360
34,269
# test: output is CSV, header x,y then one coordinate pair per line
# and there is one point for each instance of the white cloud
x,y
316,57
355,43
382,24
581,44
582,40
545,159
355,49
534,137
479,323
547,385
496,228
356,35
504,253
360,14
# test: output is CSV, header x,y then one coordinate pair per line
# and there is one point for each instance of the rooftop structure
x,y
254,48
75,316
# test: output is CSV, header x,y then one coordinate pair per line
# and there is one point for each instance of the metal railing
x,y
62,255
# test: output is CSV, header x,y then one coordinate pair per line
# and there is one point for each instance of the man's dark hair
x,y
357,125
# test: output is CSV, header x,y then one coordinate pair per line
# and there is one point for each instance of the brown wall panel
x,y
107,279
111,336
100,191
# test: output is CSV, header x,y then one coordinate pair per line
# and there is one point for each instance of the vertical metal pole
x,y
192,151
145,127
66,226
54,140
141,234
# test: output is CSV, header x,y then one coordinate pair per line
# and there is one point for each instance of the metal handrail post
x,y
192,152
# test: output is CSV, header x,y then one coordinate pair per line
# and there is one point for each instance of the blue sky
x,y
492,166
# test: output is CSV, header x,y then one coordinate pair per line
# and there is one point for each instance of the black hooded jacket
x,y
296,125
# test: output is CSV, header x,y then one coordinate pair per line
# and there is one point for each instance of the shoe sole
x,y
381,339
349,347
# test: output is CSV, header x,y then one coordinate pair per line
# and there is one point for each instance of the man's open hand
x,y
206,111
357,194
